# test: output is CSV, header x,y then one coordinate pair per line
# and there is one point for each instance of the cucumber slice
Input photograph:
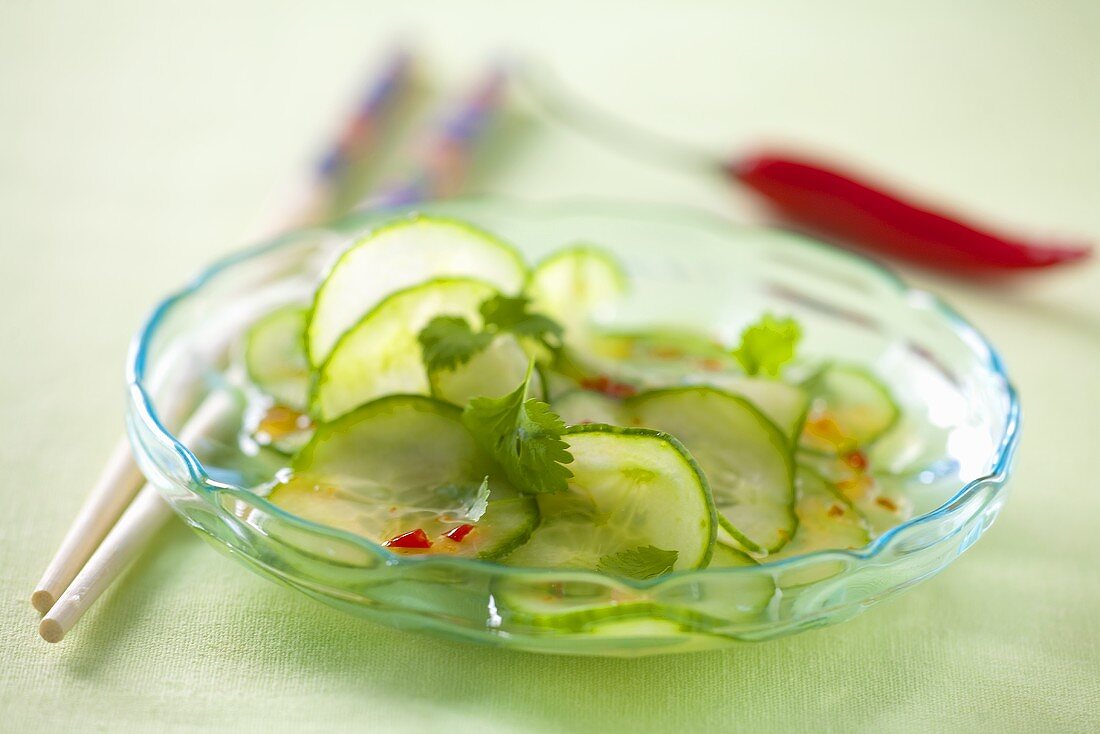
x,y
785,405
491,373
746,459
631,487
667,358
381,354
726,556
825,518
275,358
580,407
398,256
850,409
572,285
563,603
401,463
648,359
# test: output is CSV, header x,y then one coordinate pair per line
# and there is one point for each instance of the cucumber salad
x,y
438,395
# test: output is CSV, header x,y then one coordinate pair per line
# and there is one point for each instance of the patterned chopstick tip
x,y
363,125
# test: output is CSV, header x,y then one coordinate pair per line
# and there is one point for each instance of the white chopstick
x,y
141,520
64,584
110,495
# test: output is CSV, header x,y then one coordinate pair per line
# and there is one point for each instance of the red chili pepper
x,y
459,533
412,539
837,203
856,460
607,386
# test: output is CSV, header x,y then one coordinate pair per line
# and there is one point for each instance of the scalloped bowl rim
x,y
143,403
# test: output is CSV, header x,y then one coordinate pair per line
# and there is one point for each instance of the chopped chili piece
x,y
457,534
886,502
412,539
835,511
711,364
607,386
856,460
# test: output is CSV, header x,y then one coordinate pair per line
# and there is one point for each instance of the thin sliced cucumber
x,y
785,405
668,358
573,284
564,603
726,556
647,359
630,488
398,256
850,409
403,463
581,407
275,357
381,354
825,518
493,372
746,459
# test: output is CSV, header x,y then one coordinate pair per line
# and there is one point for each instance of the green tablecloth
x,y
137,139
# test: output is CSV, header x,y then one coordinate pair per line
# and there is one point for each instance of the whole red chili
x,y
838,204
822,198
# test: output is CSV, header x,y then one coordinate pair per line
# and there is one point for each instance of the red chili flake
x,y
621,390
666,353
412,539
598,383
835,511
457,534
609,387
887,503
856,460
711,364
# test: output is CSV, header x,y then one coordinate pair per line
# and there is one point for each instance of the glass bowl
x,y
954,454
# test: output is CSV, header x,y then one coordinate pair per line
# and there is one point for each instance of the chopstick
x,y
138,524
148,512
448,149
120,479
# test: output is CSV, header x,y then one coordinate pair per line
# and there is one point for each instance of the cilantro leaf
x,y
480,502
524,436
642,562
767,345
510,313
448,342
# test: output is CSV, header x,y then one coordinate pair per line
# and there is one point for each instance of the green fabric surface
x,y
137,141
